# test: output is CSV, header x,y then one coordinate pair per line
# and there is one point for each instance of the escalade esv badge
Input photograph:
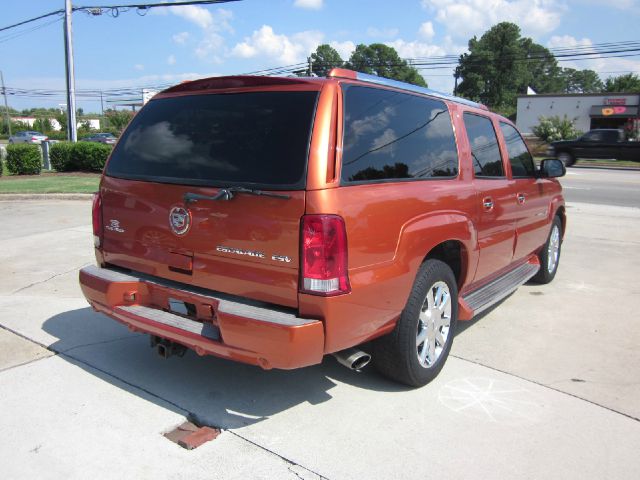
x,y
179,220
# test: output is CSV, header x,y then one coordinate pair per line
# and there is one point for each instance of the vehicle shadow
x,y
210,390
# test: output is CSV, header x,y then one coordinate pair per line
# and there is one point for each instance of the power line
x,y
57,12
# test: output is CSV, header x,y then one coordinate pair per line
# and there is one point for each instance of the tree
x,y
580,81
493,71
502,64
61,117
552,129
43,124
118,119
324,59
384,61
628,83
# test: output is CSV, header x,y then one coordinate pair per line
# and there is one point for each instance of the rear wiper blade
x,y
229,192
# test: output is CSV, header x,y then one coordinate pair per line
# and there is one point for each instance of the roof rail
x,y
364,77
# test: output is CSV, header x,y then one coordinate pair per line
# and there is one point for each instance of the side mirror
x,y
551,168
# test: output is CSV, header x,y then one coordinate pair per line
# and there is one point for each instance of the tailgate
x,y
245,246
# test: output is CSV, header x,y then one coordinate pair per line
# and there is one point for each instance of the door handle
x,y
521,198
487,203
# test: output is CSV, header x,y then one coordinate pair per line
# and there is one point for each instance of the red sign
x,y
615,101
613,111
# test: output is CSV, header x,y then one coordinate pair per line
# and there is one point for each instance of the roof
x,y
364,77
242,81
604,94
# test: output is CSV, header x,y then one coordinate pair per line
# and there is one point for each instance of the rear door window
x,y
519,156
485,152
256,138
390,135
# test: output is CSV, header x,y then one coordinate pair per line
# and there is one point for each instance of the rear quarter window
x,y
485,152
253,138
390,135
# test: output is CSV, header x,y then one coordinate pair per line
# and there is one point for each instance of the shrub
x,y
60,156
552,129
89,156
24,159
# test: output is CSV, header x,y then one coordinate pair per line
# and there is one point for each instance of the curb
x,y
45,196
606,167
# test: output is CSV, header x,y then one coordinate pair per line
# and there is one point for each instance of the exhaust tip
x,y
353,358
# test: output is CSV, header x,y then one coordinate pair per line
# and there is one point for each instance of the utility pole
x,y
72,133
310,66
456,75
6,106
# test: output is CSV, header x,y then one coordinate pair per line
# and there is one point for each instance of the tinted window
x,y
519,156
258,138
390,135
593,136
485,152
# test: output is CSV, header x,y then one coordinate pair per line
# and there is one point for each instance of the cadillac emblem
x,y
179,220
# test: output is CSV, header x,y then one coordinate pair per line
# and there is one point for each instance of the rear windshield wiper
x,y
229,192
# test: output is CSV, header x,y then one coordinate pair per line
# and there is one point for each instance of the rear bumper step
x,y
224,326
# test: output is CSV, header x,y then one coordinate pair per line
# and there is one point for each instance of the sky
x,y
171,44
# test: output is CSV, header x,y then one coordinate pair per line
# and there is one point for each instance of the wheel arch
x,y
454,254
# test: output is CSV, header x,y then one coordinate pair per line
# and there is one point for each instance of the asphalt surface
x,y
545,385
602,186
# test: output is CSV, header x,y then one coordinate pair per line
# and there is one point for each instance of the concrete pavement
x,y
546,385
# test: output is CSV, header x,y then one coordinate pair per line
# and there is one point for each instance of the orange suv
x,y
273,221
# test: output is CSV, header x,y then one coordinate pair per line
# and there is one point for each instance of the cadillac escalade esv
x,y
273,221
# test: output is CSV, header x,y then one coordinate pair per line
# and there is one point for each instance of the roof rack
x,y
364,77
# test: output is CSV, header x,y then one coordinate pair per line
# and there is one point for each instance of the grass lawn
x,y
50,183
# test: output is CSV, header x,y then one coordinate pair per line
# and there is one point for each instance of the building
x,y
590,110
94,123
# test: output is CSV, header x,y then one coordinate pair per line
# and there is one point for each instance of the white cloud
x,y
213,25
382,32
603,66
198,15
213,42
139,67
427,31
281,48
345,49
180,38
416,49
171,60
466,18
309,4
629,5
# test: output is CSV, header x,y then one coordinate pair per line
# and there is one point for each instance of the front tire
x,y
416,350
549,255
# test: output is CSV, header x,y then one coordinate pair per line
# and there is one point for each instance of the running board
x,y
490,294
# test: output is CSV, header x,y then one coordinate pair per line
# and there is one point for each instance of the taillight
x,y
323,255
96,215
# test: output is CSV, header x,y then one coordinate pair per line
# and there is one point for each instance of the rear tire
x,y
416,350
549,255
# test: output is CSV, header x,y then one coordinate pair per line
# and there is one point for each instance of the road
x,y
545,385
602,186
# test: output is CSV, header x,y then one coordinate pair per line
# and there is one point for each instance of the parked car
x,y
598,143
273,221
106,138
28,136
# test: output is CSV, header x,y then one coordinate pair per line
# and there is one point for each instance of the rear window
x,y
391,136
257,138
